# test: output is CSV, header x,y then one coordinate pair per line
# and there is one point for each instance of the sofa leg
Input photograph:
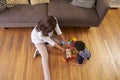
x,y
88,27
6,28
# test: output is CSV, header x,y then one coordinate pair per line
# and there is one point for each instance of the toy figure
x,y
68,54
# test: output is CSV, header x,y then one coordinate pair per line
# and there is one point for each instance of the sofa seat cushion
x,y
24,14
67,13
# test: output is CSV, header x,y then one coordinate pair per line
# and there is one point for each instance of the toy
x,y
63,59
62,43
70,42
74,39
68,54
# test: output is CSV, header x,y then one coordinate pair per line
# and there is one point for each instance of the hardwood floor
x,y
17,62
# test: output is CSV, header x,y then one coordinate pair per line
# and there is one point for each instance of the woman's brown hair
x,y
46,25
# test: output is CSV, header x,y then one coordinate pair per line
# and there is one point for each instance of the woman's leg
x,y
41,47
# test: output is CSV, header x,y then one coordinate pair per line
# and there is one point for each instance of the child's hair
x,y
79,45
46,25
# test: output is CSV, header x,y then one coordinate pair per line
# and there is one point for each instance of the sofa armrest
x,y
102,7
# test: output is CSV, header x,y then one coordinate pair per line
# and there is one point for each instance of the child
x,y
41,35
83,52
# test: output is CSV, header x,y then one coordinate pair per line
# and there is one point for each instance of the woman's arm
x,y
52,43
58,31
62,36
59,47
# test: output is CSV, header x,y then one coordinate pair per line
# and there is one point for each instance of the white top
x,y
37,37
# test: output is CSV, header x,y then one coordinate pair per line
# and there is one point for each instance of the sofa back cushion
x,y
69,14
83,3
17,1
24,14
61,1
33,2
3,5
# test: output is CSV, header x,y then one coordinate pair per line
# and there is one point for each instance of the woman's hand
x,y
59,47
63,50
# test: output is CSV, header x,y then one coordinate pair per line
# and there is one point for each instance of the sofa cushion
x,y
17,1
33,2
3,5
69,13
24,14
61,1
83,3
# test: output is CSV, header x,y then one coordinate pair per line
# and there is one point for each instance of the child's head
x,y
79,45
46,25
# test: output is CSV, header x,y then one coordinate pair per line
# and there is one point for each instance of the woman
x,y
43,34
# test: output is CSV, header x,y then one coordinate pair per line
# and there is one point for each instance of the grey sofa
x,y
67,14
